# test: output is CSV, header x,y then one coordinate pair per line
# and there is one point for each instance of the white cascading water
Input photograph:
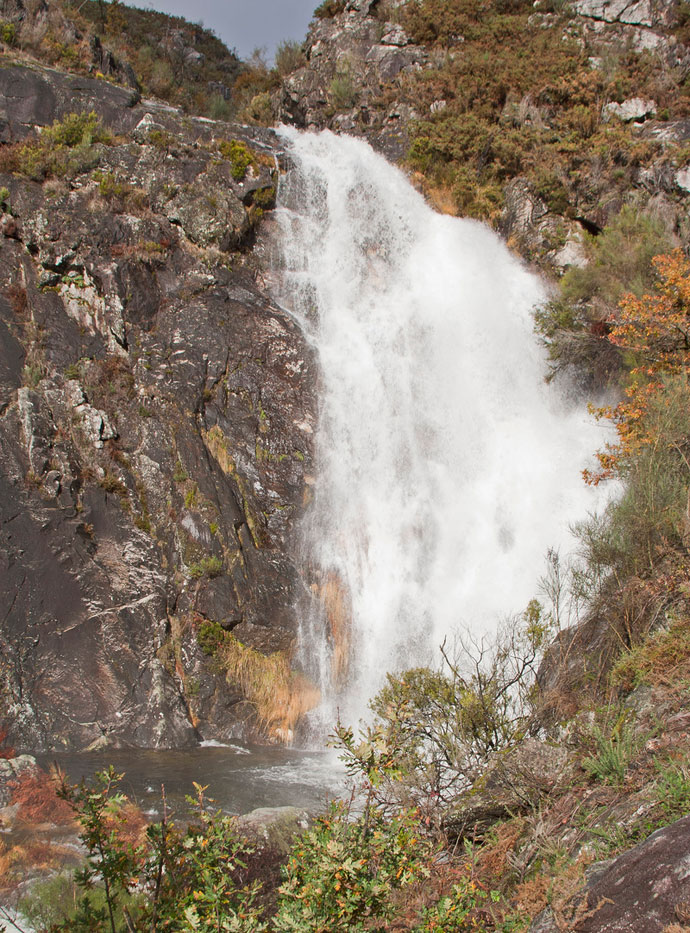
x,y
445,467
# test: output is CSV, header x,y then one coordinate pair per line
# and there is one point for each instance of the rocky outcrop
x,y
156,413
10,770
644,890
354,60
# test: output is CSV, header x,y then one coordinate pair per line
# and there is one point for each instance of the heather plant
x,y
65,149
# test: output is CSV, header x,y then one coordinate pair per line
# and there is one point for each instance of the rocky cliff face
x,y
356,64
156,413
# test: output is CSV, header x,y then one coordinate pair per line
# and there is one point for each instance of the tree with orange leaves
x,y
654,331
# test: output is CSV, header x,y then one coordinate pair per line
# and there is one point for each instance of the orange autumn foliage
x,y
655,331
35,794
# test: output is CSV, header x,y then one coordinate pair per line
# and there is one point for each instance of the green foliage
x,y
210,566
238,155
76,129
672,790
435,729
65,149
8,33
32,374
657,659
185,879
289,57
110,187
219,108
573,324
456,912
210,637
260,109
649,519
342,873
619,260
179,473
342,91
613,751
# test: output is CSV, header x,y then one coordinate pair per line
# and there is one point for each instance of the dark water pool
x,y
239,778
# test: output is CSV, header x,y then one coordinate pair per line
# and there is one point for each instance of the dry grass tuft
x,y
279,695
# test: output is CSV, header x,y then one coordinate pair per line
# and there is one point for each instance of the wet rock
x,y
274,828
153,451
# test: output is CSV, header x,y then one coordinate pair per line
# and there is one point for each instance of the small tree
x,y
435,730
654,332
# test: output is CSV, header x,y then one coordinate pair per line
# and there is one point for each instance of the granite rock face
x,y
352,58
644,890
156,419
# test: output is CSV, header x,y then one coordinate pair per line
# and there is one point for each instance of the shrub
x,y
8,33
662,658
574,326
64,149
342,873
170,879
342,91
435,729
238,155
329,8
210,566
289,57
260,109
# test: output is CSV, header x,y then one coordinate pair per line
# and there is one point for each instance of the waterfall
x,y
445,467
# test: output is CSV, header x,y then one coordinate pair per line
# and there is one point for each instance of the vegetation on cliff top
x,y
523,93
164,56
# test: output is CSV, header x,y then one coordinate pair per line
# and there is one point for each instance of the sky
x,y
243,25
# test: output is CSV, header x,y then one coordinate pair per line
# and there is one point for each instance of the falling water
x,y
445,467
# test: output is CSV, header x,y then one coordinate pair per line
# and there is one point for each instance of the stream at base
x,y
238,778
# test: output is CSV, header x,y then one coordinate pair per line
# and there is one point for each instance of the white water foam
x,y
446,467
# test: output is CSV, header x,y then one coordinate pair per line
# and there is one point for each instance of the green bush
x,y
342,91
573,325
342,873
436,729
65,149
238,155
181,879
8,33
210,566
289,57
210,637
649,519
